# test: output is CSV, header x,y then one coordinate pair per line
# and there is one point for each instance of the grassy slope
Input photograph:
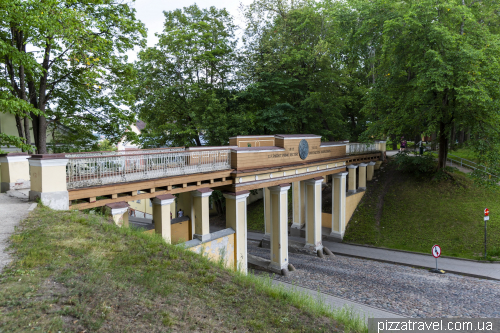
x,y
77,272
418,214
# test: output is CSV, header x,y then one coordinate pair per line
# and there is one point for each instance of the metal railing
x,y
470,165
89,171
360,148
125,152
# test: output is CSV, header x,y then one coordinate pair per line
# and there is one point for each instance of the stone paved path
x,y
403,290
14,207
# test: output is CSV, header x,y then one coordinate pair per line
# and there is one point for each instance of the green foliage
x,y
417,165
63,65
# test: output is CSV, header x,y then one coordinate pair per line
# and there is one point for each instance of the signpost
x,y
486,218
436,253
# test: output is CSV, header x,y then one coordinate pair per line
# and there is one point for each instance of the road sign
x,y
436,251
486,212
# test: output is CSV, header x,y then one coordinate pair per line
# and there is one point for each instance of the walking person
x,y
402,146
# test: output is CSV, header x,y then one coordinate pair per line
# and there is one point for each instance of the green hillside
x,y
75,272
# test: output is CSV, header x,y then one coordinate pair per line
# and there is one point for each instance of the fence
x,y
360,148
125,152
86,171
470,165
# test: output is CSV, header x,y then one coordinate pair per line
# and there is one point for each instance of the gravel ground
x,y
408,291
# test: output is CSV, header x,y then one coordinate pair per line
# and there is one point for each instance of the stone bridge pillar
x,y
362,176
370,170
352,177
338,205
119,213
313,214
48,180
236,218
299,208
14,171
279,226
201,213
161,216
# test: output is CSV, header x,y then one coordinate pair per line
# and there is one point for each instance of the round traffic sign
x,y
486,212
436,251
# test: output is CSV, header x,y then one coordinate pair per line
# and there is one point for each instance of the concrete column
x,y
383,150
370,171
185,203
201,216
267,211
14,172
48,180
119,213
236,218
352,177
279,226
161,215
313,214
298,208
362,176
378,164
338,205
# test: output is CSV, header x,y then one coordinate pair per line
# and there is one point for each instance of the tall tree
x,y
439,66
186,79
63,63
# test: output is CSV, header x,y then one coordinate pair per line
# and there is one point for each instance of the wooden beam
x,y
97,191
126,198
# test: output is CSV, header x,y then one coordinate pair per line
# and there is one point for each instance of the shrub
x,y
417,165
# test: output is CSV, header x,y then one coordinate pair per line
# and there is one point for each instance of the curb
x,y
420,253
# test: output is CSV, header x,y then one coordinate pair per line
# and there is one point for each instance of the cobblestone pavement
x,y
408,291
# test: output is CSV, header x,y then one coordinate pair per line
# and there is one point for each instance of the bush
x,y
418,165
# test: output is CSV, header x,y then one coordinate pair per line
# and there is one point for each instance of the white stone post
x,y
352,177
362,176
14,171
370,170
48,180
201,213
298,208
119,213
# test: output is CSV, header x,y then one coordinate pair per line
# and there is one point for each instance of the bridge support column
x,y
119,213
299,209
352,177
267,211
338,205
370,170
313,214
14,172
185,203
378,164
236,218
279,226
48,180
161,216
362,176
201,210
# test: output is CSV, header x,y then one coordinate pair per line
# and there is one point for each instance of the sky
x,y
150,12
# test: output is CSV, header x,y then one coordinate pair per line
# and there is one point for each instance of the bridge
x,y
184,178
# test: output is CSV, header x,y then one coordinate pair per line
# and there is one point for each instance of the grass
x,y
78,272
404,213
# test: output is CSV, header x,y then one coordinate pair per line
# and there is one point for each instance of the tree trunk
x,y
27,133
443,146
394,142
461,137
197,139
452,137
19,127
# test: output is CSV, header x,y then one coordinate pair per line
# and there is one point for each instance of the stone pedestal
x,y
298,203
279,226
370,170
119,213
352,177
201,213
338,206
362,176
14,172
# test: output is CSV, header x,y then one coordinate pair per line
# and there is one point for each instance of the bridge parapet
x,y
87,171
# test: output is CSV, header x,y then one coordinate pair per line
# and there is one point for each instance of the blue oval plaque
x,y
303,149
